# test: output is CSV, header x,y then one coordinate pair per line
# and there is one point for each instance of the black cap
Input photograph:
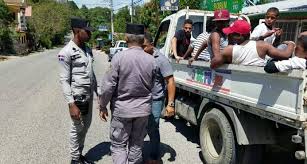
x,y
136,29
77,22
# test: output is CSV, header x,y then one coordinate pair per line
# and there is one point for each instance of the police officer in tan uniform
x,y
78,83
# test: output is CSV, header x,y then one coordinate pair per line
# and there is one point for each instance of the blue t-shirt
x,y
164,69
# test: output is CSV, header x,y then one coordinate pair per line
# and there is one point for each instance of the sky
x,y
105,3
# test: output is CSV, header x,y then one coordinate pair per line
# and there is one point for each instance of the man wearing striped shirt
x,y
199,47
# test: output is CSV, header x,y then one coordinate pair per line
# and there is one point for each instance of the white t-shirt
x,y
292,63
247,54
260,30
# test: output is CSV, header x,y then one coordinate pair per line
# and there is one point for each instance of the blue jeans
x,y
153,129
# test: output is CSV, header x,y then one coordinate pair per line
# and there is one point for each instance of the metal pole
x,y
131,11
112,25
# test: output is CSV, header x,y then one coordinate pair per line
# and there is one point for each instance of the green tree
x,y
99,16
193,4
120,19
5,32
49,23
150,15
73,5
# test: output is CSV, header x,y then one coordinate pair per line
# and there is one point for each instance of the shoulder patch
x,y
61,57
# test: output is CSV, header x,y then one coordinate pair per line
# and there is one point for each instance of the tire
x,y
217,139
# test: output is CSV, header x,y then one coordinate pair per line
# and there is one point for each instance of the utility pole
x,y
131,11
112,25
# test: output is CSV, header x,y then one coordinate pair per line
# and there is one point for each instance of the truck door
x,y
160,39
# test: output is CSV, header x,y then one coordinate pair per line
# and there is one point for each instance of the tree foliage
x,y
5,32
120,19
193,4
49,22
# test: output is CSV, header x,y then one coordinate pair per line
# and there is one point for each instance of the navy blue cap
x,y
77,22
136,29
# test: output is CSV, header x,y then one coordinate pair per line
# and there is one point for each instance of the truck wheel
x,y
217,139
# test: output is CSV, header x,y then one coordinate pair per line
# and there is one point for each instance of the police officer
x,y
128,85
78,83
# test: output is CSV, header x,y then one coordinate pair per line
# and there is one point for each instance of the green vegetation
x,y
49,23
6,33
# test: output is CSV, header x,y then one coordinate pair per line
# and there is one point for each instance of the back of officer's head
x,y
134,34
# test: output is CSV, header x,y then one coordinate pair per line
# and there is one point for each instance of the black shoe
x,y
76,162
85,161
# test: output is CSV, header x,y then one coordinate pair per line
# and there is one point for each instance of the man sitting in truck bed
x,y
296,62
198,49
247,52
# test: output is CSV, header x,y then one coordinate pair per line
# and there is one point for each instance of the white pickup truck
x,y
120,45
239,110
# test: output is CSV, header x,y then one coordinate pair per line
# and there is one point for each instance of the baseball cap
x,y
220,15
77,22
238,26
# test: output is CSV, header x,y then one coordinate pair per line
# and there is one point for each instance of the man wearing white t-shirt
x,y
266,30
296,62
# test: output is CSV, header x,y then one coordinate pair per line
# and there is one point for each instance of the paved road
x,y
35,122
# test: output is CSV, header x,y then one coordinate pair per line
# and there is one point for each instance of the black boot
x,y
85,161
76,161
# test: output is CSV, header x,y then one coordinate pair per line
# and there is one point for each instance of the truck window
x,y
197,29
304,26
289,29
162,34
198,22
122,44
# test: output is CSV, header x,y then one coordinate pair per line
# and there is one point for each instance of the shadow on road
x,y
96,153
165,150
191,132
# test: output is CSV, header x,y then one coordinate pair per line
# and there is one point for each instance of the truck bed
x,y
278,97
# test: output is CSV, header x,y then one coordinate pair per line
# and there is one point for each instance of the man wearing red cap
x,y
218,40
247,52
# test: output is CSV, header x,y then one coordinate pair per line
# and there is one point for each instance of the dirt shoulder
x,y
2,58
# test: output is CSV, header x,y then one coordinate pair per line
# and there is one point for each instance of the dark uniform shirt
x,y
129,84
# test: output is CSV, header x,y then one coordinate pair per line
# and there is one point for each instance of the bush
x,y
6,42
49,22
6,35
46,42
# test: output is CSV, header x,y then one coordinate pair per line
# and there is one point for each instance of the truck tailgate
x,y
273,94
